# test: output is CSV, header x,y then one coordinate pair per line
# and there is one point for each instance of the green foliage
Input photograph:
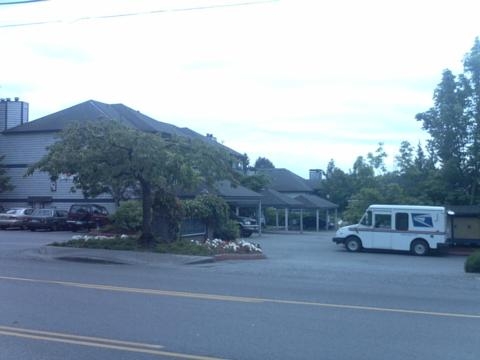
x,y
377,160
472,264
213,210
263,163
110,243
167,216
337,187
5,184
255,182
227,231
454,126
128,217
105,156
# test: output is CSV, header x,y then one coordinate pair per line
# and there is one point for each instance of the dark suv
x,y
87,216
246,225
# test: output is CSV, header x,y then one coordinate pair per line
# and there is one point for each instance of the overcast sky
x,y
297,81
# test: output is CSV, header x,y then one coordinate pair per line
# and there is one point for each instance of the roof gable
x,y
92,110
276,199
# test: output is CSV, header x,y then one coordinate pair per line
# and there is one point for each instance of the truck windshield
x,y
366,219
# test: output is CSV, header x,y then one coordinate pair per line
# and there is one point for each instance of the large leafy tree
x,y
471,85
108,157
454,126
337,186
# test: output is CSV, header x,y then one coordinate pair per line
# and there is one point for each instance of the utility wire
x,y
19,2
149,12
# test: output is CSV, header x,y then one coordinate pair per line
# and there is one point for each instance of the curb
x,y
221,257
118,257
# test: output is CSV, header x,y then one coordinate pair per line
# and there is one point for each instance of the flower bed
x,y
219,246
209,247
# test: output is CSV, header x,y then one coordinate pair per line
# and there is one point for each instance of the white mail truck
x,y
418,229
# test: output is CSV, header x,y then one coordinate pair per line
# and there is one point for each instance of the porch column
x,y
301,221
286,219
259,218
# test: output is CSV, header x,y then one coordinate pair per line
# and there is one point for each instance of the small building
x,y
296,197
25,142
466,224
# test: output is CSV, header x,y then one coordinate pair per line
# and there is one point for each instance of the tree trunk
x,y
146,239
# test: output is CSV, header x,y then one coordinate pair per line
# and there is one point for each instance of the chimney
x,y
12,113
315,174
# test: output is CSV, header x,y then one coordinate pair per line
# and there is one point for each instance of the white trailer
x,y
413,228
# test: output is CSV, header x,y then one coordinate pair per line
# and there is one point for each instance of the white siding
x,y
22,150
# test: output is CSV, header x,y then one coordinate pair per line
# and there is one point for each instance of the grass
x,y
95,242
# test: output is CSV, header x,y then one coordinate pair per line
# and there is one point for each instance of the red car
x,y
87,216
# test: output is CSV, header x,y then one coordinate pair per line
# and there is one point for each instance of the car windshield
x,y
13,211
42,212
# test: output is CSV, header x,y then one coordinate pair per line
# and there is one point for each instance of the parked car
x,y
247,225
47,219
87,216
14,218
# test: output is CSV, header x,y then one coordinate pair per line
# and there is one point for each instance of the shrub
x,y
227,231
128,217
472,264
211,209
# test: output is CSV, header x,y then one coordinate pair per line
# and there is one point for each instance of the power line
x,y
139,13
18,2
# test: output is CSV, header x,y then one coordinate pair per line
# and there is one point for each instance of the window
x,y
383,221
367,219
401,221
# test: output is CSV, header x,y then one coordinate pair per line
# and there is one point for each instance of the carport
x,y
279,201
239,197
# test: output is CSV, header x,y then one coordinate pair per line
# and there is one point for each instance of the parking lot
x,y
308,297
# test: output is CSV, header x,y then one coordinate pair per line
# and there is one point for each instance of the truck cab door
x,y
382,231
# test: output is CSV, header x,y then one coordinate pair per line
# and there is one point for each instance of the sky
x,y
299,82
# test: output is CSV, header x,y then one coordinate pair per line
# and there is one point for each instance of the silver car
x,y
14,218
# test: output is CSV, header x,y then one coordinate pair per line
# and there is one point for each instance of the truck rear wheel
x,y
419,247
353,244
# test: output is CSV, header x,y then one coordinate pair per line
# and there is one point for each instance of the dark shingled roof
x,y
284,180
275,199
92,110
227,190
315,202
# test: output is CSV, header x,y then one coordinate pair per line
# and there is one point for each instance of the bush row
x,y
472,264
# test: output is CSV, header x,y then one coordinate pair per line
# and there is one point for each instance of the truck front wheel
x,y
353,244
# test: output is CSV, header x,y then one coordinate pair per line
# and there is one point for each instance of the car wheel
x,y
419,247
32,229
353,244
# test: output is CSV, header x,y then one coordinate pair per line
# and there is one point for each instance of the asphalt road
x,y
309,299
